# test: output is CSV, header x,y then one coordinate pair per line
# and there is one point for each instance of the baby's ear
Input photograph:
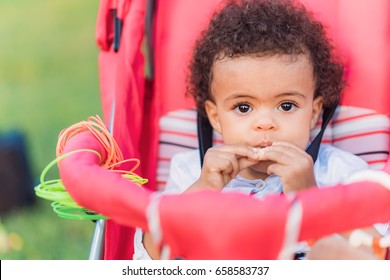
x,y
317,108
212,115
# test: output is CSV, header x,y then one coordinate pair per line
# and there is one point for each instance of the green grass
x,y
48,81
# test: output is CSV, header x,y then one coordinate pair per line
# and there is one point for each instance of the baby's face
x,y
260,100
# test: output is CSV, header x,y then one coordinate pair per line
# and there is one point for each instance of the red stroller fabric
x,y
122,94
228,225
250,229
360,30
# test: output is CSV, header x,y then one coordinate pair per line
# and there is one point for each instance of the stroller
x,y
151,119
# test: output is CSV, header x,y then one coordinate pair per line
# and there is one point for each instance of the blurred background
x,y
48,81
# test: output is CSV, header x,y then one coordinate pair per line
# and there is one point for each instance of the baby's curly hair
x,y
264,28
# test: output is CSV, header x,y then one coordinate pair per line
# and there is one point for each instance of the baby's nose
x,y
265,123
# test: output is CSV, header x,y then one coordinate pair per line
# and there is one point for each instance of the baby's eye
x,y
287,107
243,108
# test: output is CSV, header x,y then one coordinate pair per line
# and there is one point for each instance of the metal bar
x,y
97,247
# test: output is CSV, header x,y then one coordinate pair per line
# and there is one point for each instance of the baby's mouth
x,y
264,144
259,149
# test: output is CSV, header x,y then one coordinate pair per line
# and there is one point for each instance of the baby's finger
x,y
289,146
276,169
284,153
277,155
241,151
218,163
244,162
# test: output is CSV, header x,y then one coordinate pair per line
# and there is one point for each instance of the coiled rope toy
x,y
62,203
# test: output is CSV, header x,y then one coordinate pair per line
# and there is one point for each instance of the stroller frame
x,y
126,14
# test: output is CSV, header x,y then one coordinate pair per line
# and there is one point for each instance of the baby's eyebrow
x,y
238,95
292,93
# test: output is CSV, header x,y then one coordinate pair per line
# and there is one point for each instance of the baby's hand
x,y
292,164
221,164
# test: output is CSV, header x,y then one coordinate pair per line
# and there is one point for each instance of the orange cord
x,y
377,249
97,127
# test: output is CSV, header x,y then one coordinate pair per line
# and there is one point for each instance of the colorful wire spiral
x,y
54,190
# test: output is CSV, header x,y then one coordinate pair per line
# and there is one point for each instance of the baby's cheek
x,y
305,141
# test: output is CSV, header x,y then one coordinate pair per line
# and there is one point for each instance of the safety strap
x,y
205,134
149,19
117,30
314,147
